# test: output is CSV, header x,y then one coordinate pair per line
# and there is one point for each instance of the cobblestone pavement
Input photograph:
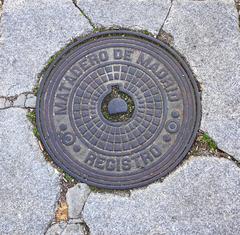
x,y
202,196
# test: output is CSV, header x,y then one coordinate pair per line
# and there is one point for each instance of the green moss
x,y
110,191
66,176
36,89
31,115
100,190
102,29
52,58
99,29
36,133
146,32
206,139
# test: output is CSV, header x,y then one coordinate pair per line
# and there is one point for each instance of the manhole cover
x,y
118,110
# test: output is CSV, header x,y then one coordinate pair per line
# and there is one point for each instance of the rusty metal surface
x,y
118,154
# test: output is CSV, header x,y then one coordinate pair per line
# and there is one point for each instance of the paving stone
x,y
211,44
30,101
56,229
73,229
29,185
2,103
31,32
20,101
76,197
75,221
201,197
8,103
5,103
135,14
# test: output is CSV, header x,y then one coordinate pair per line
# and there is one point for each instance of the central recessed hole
x,y
117,106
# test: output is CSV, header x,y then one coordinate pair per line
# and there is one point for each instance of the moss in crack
x,y
66,177
110,191
116,27
36,88
31,115
203,144
53,58
146,32
99,29
166,38
207,140
102,29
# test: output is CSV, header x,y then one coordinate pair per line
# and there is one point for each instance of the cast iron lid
x,y
118,109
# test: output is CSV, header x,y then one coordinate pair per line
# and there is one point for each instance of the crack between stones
x,y
225,155
85,225
15,107
8,101
168,13
63,230
219,153
84,14
69,220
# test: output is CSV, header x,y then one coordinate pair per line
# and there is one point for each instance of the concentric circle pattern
x,y
118,154
123,138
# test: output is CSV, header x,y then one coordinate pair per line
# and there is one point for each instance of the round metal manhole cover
x,y
118,110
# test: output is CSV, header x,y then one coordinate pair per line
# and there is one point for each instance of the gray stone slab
x,y
76,197
31,32
73,229
5,103
29,185
2,102
135,14
31,101
201,197
20,101
207,34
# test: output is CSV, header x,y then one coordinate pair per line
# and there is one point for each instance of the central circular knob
x,y
117,106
